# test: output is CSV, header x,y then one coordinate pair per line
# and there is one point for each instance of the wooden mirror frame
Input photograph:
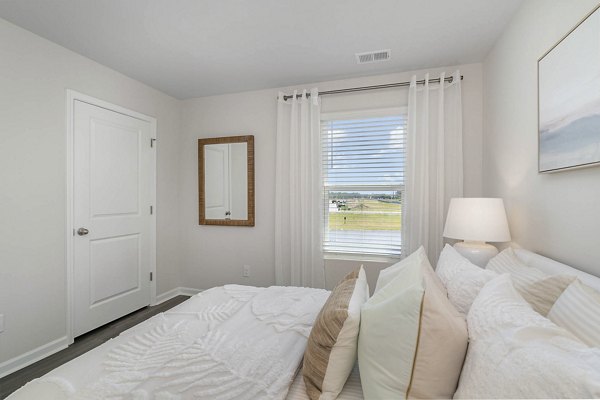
x,y
249,140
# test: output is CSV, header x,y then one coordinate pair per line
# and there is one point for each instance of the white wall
x,y
557,215
214,255
34,74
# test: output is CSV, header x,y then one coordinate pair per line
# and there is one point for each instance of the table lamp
x,y
477,221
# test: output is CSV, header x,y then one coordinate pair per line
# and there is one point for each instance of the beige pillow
x,y
578,311
412,340
539,289
331,349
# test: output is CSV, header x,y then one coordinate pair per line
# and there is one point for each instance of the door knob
x,y
82,231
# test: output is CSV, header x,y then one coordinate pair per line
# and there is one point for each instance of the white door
x,y
216,181
113,188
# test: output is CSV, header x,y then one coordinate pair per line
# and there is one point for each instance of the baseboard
x,y
166,296
178,291
32,356
186,291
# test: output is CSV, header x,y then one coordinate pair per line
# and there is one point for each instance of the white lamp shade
x,y
477,219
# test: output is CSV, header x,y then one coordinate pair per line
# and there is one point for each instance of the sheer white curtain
x,y
298,193
434,162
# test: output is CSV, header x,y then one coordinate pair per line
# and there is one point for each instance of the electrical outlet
x,y
246,271
1,323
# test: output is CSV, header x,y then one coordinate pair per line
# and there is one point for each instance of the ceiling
x,y
194,48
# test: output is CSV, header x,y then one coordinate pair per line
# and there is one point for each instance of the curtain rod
x,y
374,87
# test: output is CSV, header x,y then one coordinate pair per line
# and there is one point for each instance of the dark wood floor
x,y
82,344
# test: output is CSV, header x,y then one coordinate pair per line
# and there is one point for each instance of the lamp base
x,y
479,253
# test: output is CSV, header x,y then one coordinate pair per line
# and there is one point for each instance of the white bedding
x,y
231,342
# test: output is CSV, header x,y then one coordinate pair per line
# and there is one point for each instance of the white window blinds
x,y
363,175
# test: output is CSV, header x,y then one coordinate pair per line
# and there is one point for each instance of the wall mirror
x,y
226,180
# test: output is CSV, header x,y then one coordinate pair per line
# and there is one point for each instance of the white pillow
x,y
388,274
514,352
412,341
578,311
463,280
537,288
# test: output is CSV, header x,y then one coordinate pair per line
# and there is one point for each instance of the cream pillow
x,y
514,352
388,274
412,341
463,280
537,288
578,311
331,348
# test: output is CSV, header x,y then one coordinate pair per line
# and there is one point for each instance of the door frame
x,y
71,97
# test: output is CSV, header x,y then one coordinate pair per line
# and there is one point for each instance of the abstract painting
x,y
569,99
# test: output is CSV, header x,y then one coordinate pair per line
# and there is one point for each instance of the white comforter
x,y
231,342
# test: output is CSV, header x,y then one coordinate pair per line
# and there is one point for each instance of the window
x,y
363,176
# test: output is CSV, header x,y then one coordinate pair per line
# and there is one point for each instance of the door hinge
x,y
152,140
151,276
151,210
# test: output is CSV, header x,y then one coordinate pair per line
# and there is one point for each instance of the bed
x,y
230,342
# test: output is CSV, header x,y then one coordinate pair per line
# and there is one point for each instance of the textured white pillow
x,y
463,279
578,311
514,352
537,288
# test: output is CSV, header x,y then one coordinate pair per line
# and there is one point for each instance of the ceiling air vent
x,y
373,56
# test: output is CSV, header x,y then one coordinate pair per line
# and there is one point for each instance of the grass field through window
x,y
366,214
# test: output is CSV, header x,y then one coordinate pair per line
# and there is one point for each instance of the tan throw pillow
x,y
539,289
331,348
412,340
542,294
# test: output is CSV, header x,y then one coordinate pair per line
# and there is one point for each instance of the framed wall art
x,y
569,99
